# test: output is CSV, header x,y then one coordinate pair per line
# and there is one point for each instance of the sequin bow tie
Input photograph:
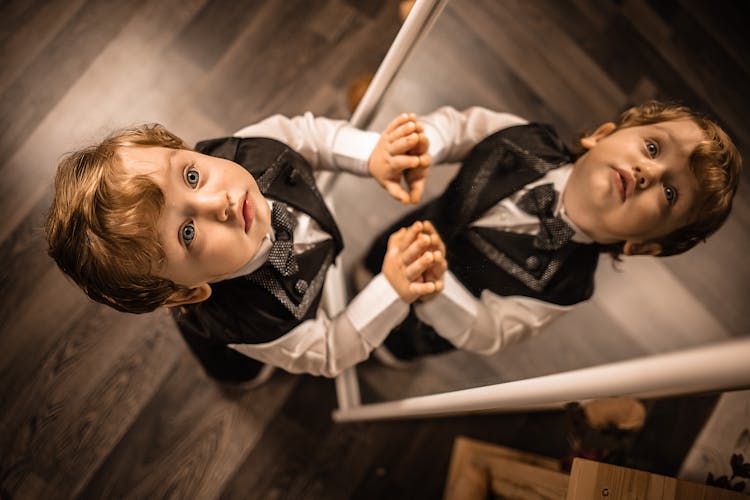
x,y
553,231
281,255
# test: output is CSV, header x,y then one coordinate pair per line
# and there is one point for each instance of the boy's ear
x,y
603,131
641,248
189,296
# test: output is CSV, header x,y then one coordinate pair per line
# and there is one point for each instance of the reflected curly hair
x,y
101,226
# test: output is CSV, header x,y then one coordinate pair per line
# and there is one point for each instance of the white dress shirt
x,y
325,346
491,322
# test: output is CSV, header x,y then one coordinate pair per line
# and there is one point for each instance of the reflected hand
x,y
400,152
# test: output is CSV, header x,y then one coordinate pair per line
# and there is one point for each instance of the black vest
x,y
505,263
508,263
249,310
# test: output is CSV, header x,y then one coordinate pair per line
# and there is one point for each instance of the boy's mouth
x,y
623,182
248,212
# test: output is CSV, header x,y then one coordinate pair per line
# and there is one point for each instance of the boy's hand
x,y
408,257
401,150
435,272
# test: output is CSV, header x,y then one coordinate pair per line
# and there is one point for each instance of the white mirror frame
x,y
718,367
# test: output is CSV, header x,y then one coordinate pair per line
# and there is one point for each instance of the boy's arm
x,y
336,145
326,346
325,143
488,324
452,133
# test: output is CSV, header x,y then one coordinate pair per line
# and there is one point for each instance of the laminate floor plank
x,y
49,312
236,94
78,415
63,60
725,21
212,30
26,28
190,437
26,244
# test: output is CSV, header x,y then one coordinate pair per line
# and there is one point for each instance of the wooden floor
x,y
99,404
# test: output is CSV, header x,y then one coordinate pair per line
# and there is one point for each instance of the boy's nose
x,y
217,205
644,175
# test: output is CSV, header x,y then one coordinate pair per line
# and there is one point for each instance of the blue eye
x,y
670,194
192,177
188,233
652,148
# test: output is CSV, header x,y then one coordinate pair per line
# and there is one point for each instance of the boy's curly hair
x,y
715,162
101,227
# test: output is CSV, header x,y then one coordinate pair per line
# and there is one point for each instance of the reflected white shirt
x,y
491,322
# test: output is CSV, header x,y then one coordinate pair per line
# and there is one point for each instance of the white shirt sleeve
x,y
326,346
488,324
453,133
327,144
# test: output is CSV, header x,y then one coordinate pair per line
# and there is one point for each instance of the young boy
x,y
525,220
235,237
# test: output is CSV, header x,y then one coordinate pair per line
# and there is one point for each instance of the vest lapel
x,y
296,293
288,182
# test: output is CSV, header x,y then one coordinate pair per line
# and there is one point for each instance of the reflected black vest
x,y
244,310
507,263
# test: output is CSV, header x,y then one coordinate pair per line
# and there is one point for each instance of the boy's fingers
x,y
437,242
422,145
422,288
405,162
440,266
410,235
397,191
415,249
425,160
416,173
394,239
416,190
436,271
397,122
441,263
403,130
417,226
419,266
402,145
440,258
415,180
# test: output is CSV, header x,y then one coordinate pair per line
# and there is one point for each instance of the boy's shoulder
x,y
257,154
535,146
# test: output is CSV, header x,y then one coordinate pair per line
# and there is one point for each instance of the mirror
x,y
573,65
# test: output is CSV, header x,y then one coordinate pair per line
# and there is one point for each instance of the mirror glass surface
x,y
574,65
